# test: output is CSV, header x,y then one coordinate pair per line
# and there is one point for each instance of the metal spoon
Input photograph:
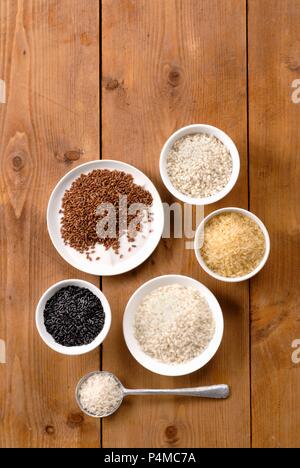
x,y
213,391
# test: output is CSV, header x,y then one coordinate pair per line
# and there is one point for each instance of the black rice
x,y
74,316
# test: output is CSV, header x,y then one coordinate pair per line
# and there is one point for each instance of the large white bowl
x,y
110,263
199,236
151,363
49,340
209,130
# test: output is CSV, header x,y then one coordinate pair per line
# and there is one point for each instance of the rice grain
x,y
174,324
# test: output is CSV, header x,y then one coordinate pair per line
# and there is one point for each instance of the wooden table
x,y
165,64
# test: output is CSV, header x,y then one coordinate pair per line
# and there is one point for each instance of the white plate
x,y
110,263
151,363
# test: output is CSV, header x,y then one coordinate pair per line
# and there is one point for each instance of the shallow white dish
x,y
110,263
49,340
210,130
199,236
152,364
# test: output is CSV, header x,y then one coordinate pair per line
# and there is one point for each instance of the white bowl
x,y
210,130
151,363
199,237
110,263
49,340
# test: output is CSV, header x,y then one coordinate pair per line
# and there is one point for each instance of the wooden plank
x,y
167,64
274,64
49,59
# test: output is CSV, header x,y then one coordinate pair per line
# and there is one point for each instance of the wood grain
x,y
49,59
167,64
274,63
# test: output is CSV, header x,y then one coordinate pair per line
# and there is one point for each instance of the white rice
x,y
100,394
174,324
199,165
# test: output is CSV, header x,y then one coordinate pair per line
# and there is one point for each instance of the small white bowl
x,y
209,130
199,237
49,340
153,364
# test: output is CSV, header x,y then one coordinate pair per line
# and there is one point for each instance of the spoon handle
x,y
213,391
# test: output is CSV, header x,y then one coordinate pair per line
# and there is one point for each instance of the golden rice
x,y
234,244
